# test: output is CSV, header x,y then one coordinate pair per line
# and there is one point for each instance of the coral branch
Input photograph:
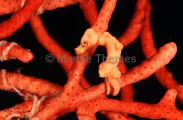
x,y
69,100
20,108
90,11
30,84
11,6
164,109
24,110
13,50
19,18
117,116
148,67
149,49
135,25
101,25
127,93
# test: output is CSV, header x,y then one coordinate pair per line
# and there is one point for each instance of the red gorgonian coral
x,y
48,100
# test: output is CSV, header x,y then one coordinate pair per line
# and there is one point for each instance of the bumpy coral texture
x,y
43,100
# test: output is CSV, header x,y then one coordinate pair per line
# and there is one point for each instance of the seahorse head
x,y
88,40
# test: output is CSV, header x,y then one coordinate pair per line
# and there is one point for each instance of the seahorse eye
x,y
85,43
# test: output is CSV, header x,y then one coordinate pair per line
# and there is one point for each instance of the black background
x,y
67,25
